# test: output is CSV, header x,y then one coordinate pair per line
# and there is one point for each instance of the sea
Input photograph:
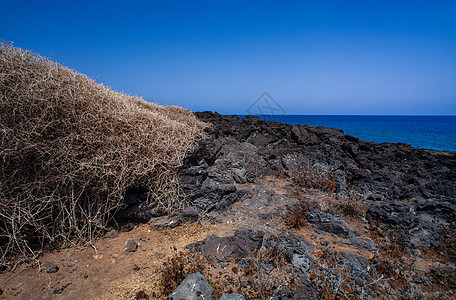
x,y
426,132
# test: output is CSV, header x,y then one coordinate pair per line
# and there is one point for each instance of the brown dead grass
x,y
177,268
313,175
446,242
351,206
70,148
297,214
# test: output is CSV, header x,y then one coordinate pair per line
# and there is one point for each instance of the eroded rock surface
x,y
193,287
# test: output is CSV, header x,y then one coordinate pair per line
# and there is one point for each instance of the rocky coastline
x,y
274,211
403,198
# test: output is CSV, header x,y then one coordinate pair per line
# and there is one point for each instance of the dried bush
x,y
336,278
267,275
316,175
447,241
445,277
176,269
277,168
397,246
70,148
351,206
296,215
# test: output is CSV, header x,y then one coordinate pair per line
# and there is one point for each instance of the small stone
x,y
59,289
141,295
192,212
165,222
71,264
143,239
111,234
16,289
85,275
127,227
324,243
136,268
159,255
131,246
51,267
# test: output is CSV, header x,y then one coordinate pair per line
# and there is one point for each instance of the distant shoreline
x,y
422,132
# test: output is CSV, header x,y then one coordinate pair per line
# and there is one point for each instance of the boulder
x,y
365,243
225,249
329,223
357,266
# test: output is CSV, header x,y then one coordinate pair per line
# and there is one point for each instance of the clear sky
x,y
312,57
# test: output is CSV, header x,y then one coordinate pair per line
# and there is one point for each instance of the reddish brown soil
x,y
105,271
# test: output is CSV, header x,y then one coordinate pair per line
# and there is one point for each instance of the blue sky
x,y
312,57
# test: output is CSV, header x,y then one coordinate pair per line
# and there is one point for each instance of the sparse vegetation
x,y
351,206
447,241
445,277
397,246
266,273
176,269
297,214
316,175
334,278
70,148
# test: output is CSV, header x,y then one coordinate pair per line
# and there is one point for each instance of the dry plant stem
x,y
70,148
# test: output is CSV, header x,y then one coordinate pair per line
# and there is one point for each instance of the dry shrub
x,y
267,275
397,246
176,269
317,176
351,206
445,276
447,241
348,208
277,168
296,215
336,278
70,148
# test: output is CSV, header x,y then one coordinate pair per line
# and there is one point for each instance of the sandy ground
x,y
104,270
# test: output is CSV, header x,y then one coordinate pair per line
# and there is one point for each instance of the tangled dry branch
x,y
70,148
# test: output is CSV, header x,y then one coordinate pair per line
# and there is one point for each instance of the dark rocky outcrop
x,y
411,191
238,151
397,171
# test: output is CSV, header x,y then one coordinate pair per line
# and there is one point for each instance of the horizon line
x,y
367,115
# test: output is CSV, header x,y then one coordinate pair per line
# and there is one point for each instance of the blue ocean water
x,y
429,132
